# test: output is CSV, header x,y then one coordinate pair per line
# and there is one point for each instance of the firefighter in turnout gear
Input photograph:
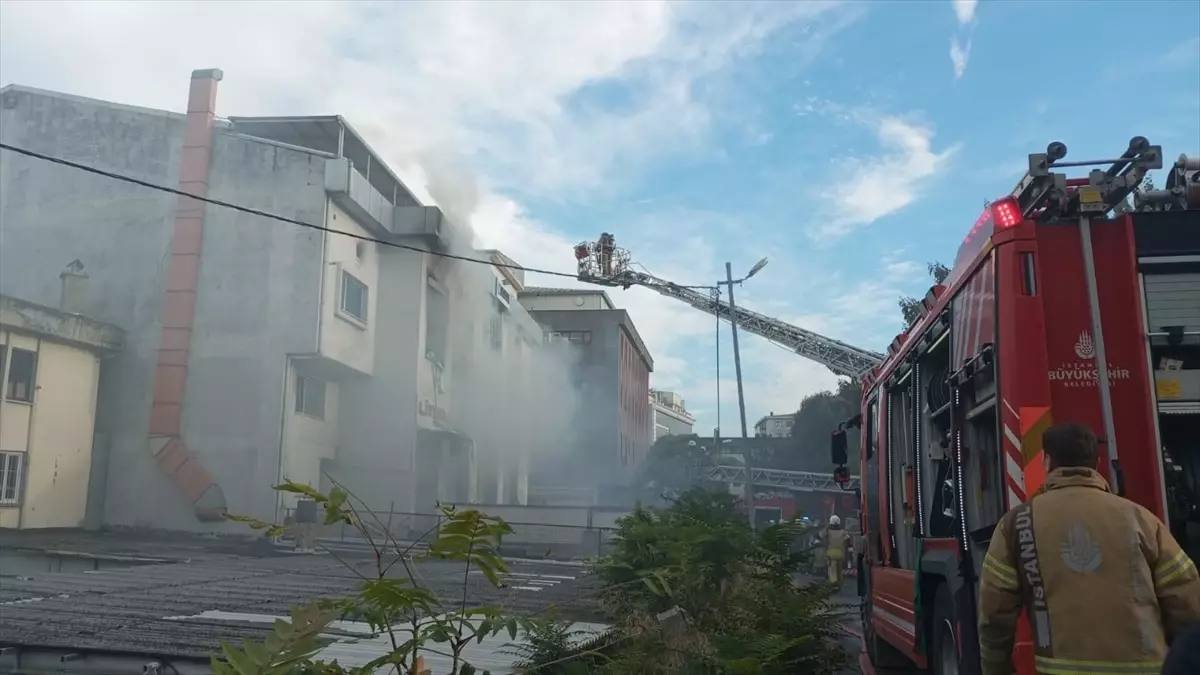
x,y
837,541
1103,582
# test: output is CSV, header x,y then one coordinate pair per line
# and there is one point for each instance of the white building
x,y
774,426
259,350
670,415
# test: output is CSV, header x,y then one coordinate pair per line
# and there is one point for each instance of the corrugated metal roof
x,y
352,652
135,610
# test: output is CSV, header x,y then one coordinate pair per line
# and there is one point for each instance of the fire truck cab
x,y
1064,304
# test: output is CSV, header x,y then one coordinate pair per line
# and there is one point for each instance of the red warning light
x,y
1005,213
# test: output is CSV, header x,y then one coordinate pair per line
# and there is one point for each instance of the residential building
x,y
612,425
260,350
670,417
774,426
50,371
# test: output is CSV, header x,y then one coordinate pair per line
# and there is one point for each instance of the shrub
x,y
413,617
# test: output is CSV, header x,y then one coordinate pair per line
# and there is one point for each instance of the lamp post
x,y
737,366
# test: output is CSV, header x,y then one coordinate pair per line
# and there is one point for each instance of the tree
x,y
911,307
820,414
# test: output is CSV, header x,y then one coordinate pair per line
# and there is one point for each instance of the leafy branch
x,y
413,617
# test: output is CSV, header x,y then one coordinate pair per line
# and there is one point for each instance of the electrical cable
x,y
284,219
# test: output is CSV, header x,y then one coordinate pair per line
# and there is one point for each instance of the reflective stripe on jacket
x,y
1104,582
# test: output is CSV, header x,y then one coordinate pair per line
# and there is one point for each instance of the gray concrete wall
x,y
259,295
259,283
595,458
378,424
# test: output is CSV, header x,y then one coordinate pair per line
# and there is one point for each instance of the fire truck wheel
x,y
944,657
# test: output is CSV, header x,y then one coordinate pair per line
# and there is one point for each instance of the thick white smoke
x,y
512,393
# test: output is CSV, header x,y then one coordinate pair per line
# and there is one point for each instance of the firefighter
x,y
837,541
1103,582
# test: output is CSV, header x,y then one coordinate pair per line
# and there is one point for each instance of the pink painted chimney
x,y
179,307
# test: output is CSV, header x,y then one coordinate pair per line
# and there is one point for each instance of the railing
x,y
418,530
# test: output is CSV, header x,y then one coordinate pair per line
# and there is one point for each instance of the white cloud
x,y
965,10
869,188
959,54
960,46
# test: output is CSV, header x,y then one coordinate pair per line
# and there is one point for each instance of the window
x,y
20,374
354,297
577,336
310,397
11,466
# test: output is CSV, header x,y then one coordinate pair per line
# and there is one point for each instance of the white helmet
x,y
834,521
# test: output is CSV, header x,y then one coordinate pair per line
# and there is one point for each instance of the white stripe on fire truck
x,y
1013,497
1016,444
1014,469
1011,409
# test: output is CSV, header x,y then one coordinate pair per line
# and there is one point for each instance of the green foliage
x,y
911,307
552,648
692,589
820,414
413,617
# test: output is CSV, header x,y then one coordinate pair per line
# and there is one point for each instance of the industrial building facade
x,y
257,350
614,421
670,415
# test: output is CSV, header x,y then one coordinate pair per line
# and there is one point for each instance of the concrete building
x,y
258,350
774,426
670,417
612,429
50,364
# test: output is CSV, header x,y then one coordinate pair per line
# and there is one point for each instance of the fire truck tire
x,y
943,659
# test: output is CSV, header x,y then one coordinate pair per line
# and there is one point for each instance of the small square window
x,y
21,374
310,397
354,297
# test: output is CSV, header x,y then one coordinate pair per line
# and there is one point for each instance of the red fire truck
x,y
1064,303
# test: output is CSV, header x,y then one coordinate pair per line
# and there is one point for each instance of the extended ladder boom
x,y
602,263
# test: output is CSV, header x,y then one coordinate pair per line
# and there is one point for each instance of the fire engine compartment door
x,y
1073,371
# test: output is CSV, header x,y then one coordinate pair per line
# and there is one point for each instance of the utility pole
x,y
737,366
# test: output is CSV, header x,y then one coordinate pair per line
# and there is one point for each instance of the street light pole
x,y
737,366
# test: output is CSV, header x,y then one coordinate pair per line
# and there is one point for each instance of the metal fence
x,y
527,540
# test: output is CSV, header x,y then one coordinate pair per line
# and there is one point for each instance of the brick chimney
x,y
167,445
74,288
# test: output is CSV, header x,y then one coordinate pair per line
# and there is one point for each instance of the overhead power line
x,y
274,216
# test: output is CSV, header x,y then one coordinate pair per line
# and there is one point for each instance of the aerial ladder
x,y
601,262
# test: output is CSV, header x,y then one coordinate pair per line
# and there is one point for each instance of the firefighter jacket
x,y
1103,582
837,541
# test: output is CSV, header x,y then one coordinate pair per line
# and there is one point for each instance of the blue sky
x,y
850,142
